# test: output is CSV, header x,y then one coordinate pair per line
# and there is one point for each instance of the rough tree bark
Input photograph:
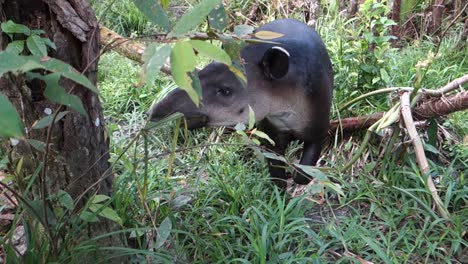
x,y
78,156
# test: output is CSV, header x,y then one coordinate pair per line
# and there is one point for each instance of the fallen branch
x,y
429,109
419,152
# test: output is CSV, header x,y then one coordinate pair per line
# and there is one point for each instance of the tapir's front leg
x,y
310,155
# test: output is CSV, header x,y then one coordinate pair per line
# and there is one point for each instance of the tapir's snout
x,y
178,101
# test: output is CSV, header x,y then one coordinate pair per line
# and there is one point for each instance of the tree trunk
x,y
79,148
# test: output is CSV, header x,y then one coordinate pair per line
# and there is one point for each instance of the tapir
x,y
289,88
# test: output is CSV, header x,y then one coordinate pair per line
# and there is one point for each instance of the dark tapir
x,y
289,87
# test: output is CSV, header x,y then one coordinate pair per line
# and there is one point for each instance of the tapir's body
x,y
289,88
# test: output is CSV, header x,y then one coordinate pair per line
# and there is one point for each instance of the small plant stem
x,y
380,91
419,152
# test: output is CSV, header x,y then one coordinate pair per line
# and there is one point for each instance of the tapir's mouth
x,y
196,120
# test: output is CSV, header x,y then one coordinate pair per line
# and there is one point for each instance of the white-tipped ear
x,y
275,62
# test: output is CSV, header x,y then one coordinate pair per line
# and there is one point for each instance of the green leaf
x,y
49,43
10,121
261,134
270,155
251,118
242,30
183,61
57,94
99,198
47,120
11,62
264,34
154,12
38,145
154,57
15,47
313,172
164,230
196,84
36,46
106,212
65,199
194,17
165,3
11,27
87,216
211,51
69,72
217,18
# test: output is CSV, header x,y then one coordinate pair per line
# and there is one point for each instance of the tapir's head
x,y
225,100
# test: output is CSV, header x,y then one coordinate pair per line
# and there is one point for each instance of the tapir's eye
x,y
224,91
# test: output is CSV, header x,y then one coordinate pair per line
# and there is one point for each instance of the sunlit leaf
x,y
251,117
270,155
261,134
193,17
10,121
264,34
211,51
89,217
183,61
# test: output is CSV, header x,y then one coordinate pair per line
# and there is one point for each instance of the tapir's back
x,y
310,69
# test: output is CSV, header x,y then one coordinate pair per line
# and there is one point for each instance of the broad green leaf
x,y
155,56
193,17
16,46
335,187
264,34
11,62
263,135
38,145
180,201
183,61
65,199
89,217
47,120
154,12
10,121
57,94
242,30
270,155
37,32
164,230
11,27
106,212
69,72
99,198
211,51
49,43
36,46
196,84
217,18
313,172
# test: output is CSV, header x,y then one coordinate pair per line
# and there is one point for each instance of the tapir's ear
x,y
275,62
